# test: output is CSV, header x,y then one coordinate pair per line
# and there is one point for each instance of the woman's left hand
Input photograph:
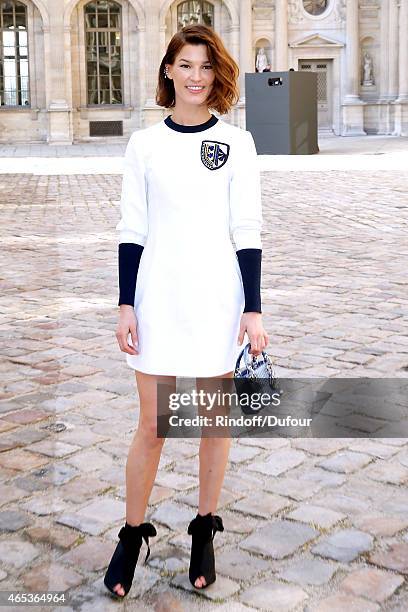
x,y
251,323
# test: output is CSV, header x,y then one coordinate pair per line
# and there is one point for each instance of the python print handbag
x,y
255,375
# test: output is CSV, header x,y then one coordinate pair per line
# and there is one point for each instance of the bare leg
x,y
144,453
213,456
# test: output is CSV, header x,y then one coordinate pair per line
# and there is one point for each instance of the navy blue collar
x,y
191,128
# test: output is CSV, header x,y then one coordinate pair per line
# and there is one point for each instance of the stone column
x,y
383,73
389,51
401,108
235,46
236,116
246,61
68,74
393,49
142,68
281,35
57,43
403,52
387,74
152,113
353,117
352,51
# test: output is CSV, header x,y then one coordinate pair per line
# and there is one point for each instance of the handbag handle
x,y
249,360
240,357
249,366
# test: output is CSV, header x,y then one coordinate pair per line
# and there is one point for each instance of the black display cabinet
x,y
281,112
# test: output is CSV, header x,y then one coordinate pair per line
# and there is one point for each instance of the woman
x,y
188,180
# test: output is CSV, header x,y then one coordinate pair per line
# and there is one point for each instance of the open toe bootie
x,y
202,562
121,569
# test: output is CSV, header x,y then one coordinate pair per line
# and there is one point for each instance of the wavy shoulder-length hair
x,y
224,93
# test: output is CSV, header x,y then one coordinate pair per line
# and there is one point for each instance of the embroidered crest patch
x,y
214,154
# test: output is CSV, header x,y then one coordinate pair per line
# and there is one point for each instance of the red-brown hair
x,y
224,93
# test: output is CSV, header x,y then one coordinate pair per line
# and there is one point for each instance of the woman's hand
x,y
251,323
127,323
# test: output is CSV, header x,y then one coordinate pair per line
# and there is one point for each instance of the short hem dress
x,y
189,194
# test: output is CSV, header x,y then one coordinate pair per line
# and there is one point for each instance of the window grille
x,y
14,77
195,11
106,128
103,34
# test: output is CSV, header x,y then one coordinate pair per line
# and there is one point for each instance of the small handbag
x,y
255,376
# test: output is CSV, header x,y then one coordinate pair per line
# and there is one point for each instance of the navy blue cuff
x,y
129,255
250,265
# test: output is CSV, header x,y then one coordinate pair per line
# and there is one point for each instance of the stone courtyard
x,y
313,525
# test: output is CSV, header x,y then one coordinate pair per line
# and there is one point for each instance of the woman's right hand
x,y
127,324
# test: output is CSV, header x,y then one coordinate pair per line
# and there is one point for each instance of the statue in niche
x,y
261,60
340,11
295,13
368,78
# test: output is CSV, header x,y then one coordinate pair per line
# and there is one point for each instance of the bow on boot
x,y
131,538
122,566
202,561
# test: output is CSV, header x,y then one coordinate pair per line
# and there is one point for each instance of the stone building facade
x,y
80,70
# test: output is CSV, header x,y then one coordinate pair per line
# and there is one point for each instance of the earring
x,y
166,74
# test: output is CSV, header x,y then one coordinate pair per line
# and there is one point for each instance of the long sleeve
x,y
250,265
246,222
133,225
129,255
245,197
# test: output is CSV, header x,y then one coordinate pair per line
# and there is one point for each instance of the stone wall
x,y
362,42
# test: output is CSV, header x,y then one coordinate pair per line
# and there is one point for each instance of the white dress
x,y
184,190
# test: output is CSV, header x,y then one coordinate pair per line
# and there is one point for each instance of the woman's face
x,y
192,68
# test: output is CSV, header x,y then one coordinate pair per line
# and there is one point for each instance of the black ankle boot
x,y
122,566
202,562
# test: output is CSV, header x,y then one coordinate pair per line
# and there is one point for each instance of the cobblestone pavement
x,y
310,524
